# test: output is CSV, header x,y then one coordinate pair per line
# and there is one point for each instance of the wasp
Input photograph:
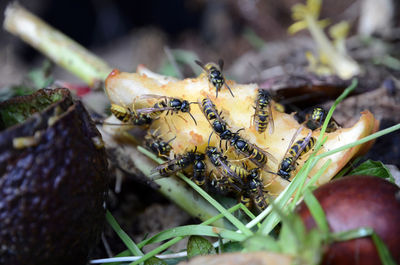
x,y
222,185
125,114
317,118
260,201
208,108
199,168
217,123
295,151
256,188
220,162
241,172
245,198
252,152
168,104
179,163
157,145
254,191
263,114
214,75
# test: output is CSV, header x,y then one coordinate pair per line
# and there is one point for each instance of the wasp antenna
x,y
180,116
195,149
226,145
241,129
115,124
221,64
195,122
217,92
194,102
171,140
209,138
273,173
229,89
200,64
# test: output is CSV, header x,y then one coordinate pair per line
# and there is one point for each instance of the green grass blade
x,y
318,174
272,220
352,234
157,250
361,141
383,251
190,230
316,211
347,168
247,211
345,93
239,225
177,239
176,190
124,236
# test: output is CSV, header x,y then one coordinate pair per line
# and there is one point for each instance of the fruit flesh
x,y
126,89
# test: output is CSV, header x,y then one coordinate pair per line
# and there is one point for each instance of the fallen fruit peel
x,y
127,88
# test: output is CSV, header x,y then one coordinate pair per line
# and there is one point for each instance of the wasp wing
x,y
171,166
271,120
264,152
302,146
152,110
200,64
153,96
293,139
227,171
221,64
210,105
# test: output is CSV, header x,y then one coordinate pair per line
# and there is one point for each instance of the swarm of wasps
x,y
224,176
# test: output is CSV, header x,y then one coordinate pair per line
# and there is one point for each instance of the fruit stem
x,y
58,47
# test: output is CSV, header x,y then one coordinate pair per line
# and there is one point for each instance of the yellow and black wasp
x,y
253,192
214,75
179,163
263,112
294,152
168,104
157,145
253,153
227,173
316,119
128,115
218,125
199,169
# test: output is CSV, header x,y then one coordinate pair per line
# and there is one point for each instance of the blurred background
x,y
127,33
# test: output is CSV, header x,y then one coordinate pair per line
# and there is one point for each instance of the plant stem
x,y
344,66
58,47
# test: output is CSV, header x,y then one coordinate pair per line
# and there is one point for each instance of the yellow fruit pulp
x,y
127,89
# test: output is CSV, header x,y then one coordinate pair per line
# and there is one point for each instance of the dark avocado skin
x,y
52,195
353,202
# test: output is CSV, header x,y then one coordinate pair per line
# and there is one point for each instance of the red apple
x,y
353,202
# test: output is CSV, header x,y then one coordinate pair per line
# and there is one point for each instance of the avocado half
x,y
53,180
